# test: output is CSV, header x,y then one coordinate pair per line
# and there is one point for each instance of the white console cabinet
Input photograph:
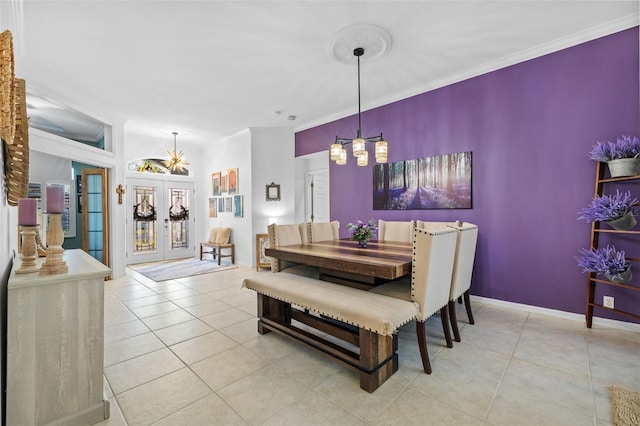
x,y
55,344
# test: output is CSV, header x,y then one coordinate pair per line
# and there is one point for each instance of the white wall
x,y
233,152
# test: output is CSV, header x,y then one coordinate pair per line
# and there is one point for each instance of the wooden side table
x,y
262,260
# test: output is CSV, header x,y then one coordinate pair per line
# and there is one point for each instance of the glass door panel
x,y
161,224
180,222
95,235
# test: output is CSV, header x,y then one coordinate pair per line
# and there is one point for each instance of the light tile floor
x,y
186,352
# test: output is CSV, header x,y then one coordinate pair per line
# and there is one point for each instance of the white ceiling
x,y
209,69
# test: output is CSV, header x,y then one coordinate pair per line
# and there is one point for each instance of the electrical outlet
x,y
607,301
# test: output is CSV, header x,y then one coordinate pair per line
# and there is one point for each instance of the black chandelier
x,y
339,154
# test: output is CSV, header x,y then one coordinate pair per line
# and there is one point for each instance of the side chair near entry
x,y
218,241
396,230
429,284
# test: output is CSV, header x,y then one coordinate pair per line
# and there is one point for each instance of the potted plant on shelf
x,y
606,261
615,210
621,156
362,232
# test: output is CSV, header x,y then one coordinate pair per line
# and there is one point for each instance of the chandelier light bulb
x,y
342,158
335,150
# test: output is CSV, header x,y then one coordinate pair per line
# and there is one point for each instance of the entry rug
x,y
162,271
626,406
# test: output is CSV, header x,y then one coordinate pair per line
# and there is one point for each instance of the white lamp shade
x,y
358,147
381,152
334,152
342,158
363,159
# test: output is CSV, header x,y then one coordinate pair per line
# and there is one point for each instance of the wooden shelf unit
x,y
601,180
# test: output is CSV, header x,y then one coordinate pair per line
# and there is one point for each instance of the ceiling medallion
x,y
373,39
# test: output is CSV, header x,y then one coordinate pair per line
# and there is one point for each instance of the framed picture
x,y
262,261
238,206
223,184
273,192
220,204
232,181
213,207
439,182
215,184
228,204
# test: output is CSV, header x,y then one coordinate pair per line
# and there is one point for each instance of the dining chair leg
x,y
422,344
467,305
454,320
444,316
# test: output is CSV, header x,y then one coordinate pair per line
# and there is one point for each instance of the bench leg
x,y
374,350
273,309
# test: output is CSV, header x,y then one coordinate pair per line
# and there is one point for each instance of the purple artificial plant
x,y
604,260
623,147
608,207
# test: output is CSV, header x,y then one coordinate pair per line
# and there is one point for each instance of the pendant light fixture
x,y
338,153
175,161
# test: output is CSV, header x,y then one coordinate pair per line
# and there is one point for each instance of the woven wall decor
x,y
7,90
17,154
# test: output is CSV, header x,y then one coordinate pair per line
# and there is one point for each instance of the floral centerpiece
x,y
362,232
606,261
622,156
613,209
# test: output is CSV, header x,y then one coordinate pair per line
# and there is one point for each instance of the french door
x,y
160,223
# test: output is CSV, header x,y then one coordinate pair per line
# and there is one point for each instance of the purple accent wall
x,y
530,127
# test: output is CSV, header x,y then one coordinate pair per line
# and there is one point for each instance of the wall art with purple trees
x,y
440,182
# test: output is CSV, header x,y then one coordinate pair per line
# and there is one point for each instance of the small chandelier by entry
x,y
175,162
338,153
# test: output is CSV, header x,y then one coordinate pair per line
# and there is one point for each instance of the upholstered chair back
x,y
323,231
432,226
283,235
467,236
432,268
395,230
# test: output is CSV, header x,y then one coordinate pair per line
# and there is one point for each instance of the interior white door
x,y
161,223
318,196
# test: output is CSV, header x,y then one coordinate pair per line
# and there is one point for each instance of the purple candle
x,y
27,211
55,199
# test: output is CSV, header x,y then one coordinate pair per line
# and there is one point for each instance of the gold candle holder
x,y
29,251
55,237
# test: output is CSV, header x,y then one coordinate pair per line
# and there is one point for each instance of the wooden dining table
x,y
344,262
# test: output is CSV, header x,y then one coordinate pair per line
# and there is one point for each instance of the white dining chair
x,y
284,235
462,270
429,284
395,230
323,231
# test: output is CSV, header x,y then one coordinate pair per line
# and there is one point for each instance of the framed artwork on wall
x,y
223,184
215,184
228,204
220,204
273,192
238,206
439,182
213,207
232,181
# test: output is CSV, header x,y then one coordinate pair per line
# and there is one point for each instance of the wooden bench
x,y
218,240
364,319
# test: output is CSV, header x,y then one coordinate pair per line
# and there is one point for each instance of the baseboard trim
x,y
597,321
